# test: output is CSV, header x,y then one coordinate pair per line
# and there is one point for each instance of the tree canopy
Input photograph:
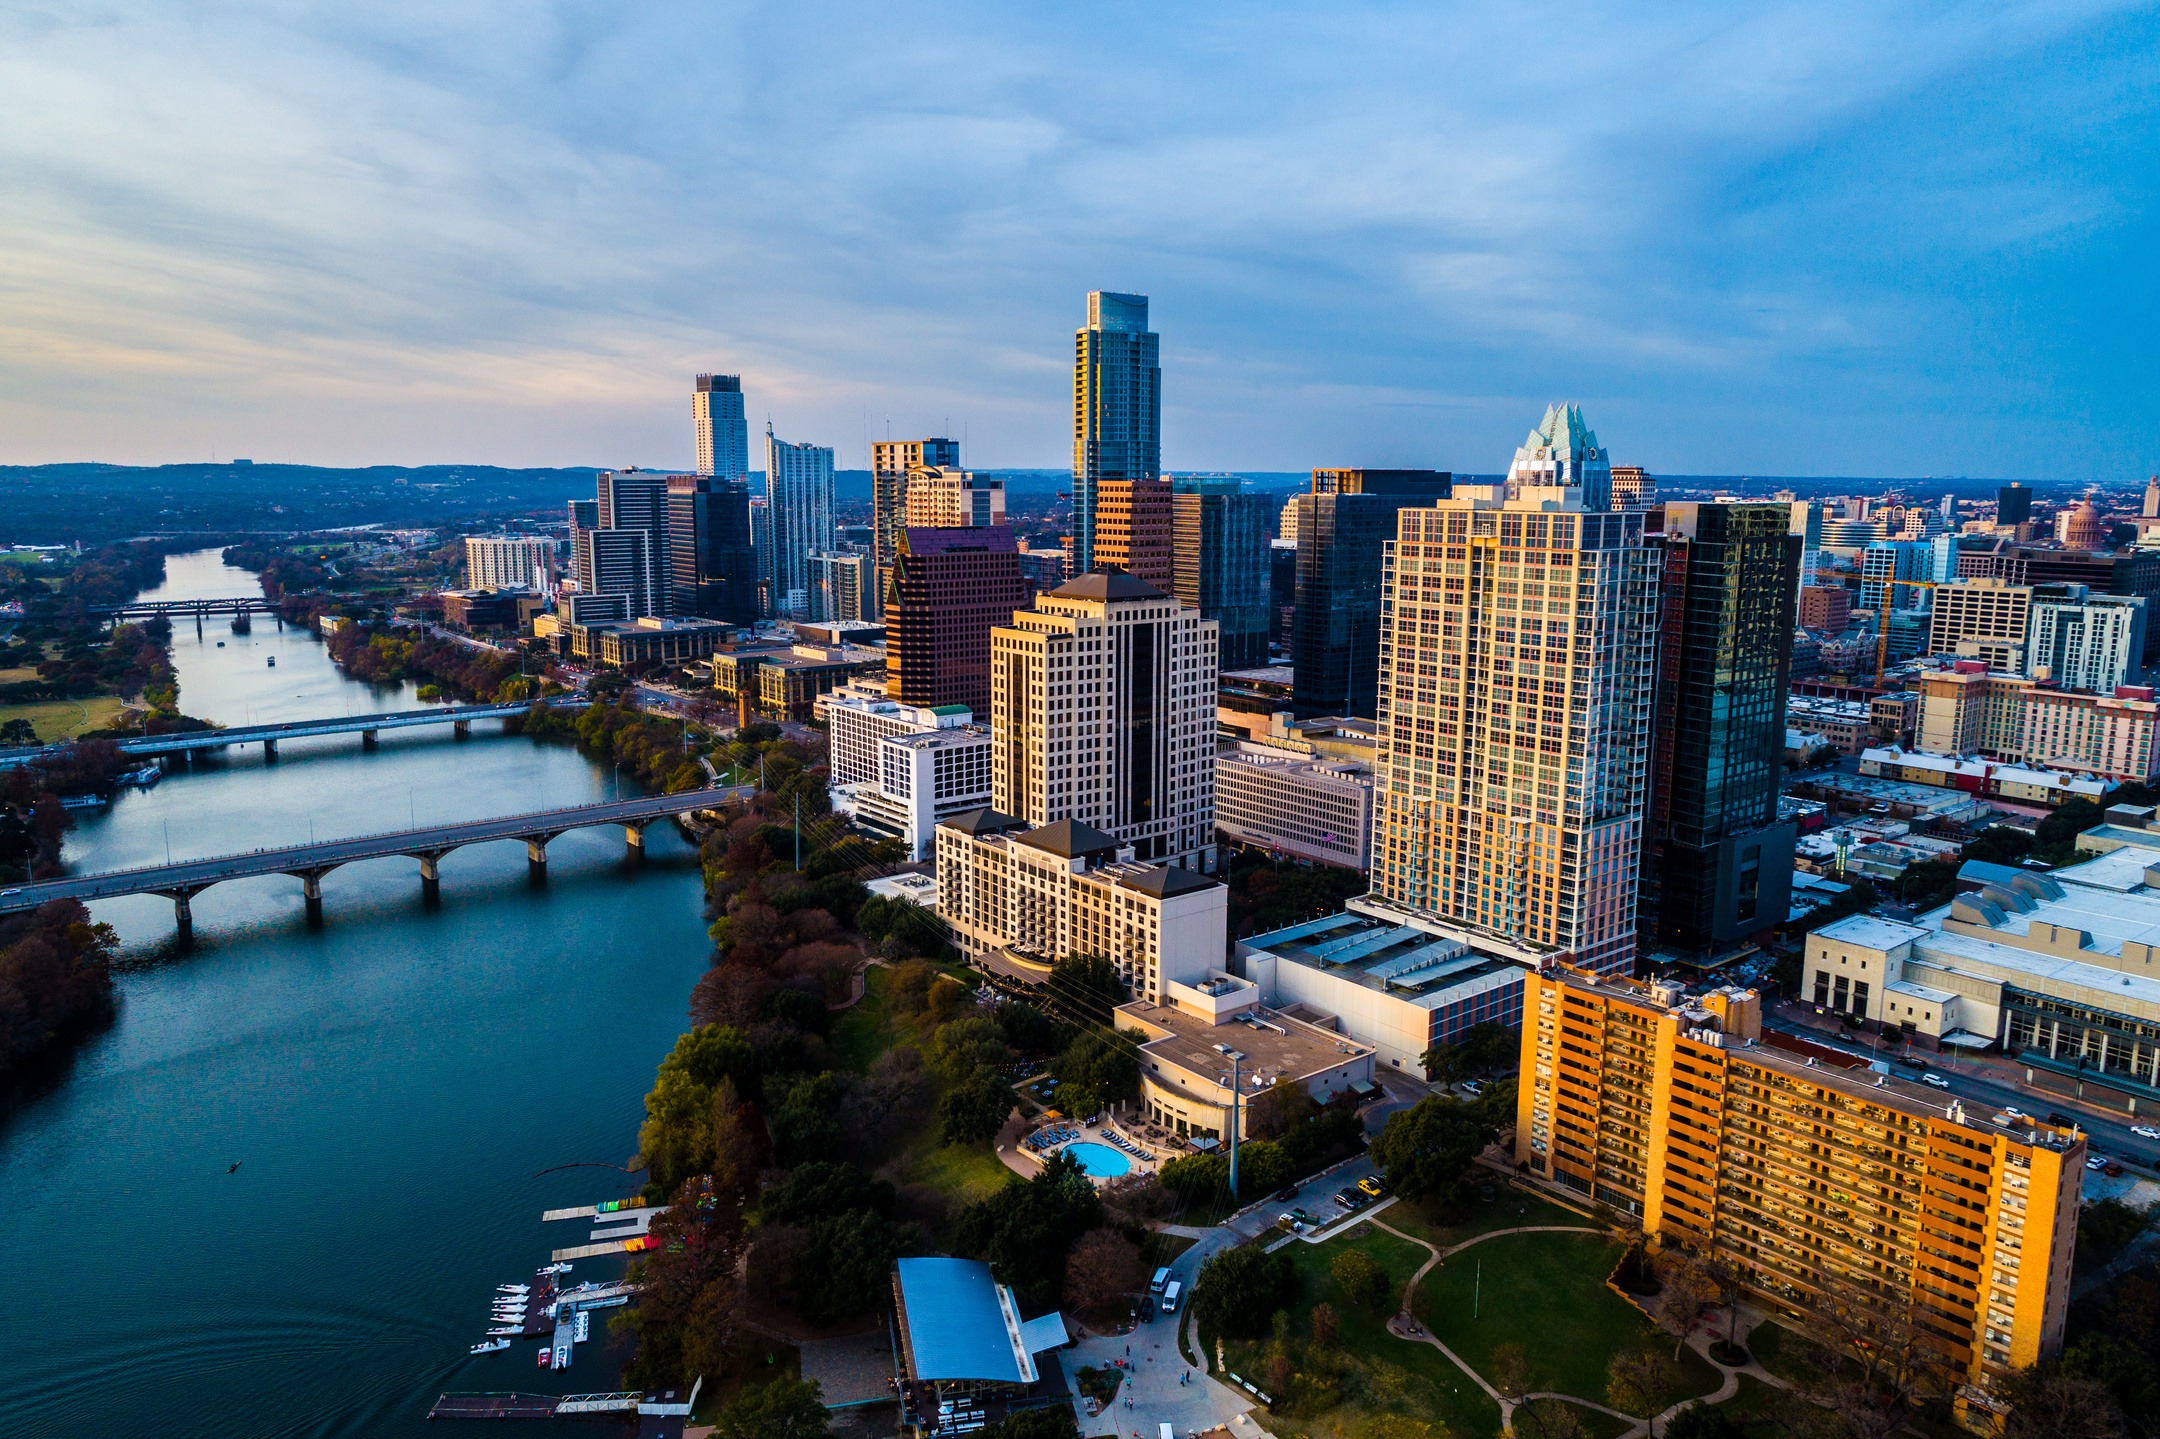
x,y
1427,1149
1027,1228
1239,1290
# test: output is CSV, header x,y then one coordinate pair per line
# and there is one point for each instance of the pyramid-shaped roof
x,y
1107,582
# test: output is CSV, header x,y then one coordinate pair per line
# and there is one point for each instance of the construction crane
x,y
1882,623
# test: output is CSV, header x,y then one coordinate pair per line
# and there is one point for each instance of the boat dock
x,y
619,1228
659,1416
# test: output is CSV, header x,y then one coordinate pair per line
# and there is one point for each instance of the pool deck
x,y
1026,1163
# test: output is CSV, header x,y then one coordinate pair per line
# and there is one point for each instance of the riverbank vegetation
x,y
55,978
660,753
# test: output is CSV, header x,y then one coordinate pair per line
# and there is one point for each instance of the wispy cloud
x,y
1807,238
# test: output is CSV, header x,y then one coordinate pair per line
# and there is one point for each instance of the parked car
x,y
2014,1112
2058,1117
1344,1200
1287,1195
1935,1080
2096,1161
2111,1170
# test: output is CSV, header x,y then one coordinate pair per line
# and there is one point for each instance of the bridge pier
x,y
635,835
536,856
368,740
269,751
431,873
184,913
198,624
461,728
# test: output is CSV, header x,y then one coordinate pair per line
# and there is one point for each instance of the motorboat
x,y
513,1289
547,1356
493,1333
560,1268
491,1346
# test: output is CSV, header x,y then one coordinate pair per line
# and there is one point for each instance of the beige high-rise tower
x,y
1102,707
946,497
1517,655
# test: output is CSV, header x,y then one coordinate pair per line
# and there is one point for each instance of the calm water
x,y
390,1083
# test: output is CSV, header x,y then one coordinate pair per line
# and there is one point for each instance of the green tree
x,y
974,1110
1239,1290
1361,1279
2057,834
820,1189
1086,988
1263,1168
964,1046
1027,1228
1056,1423
1100,1060
784,1409
1703,1421
1197,1176
1998,844
1428,1148
847,1266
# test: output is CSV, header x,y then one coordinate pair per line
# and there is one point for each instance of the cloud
x,y
1794,240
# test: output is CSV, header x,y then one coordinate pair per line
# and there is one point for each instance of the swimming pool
x,y
1099,1160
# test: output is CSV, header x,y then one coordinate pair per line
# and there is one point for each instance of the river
x,y
390,1083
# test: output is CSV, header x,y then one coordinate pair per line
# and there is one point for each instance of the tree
x,y
1099,1060
974,1110
1197,1176
784,1409
1102,1270
1998,844
1549,1419
1323,1325
2059,831
1027,1228
846,1267
1511,1373
964,1046
820,1189
1086,988
1263,1167
1477,1050
1703,1421
1640,1382
2051,1401
1688,1289
1428,1148
1239,1290
1053,1423
1363,1282
1278,1109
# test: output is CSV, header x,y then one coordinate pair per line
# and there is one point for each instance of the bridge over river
x,y
308,863
367,726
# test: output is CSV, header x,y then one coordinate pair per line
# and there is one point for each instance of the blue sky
x,y
1879,239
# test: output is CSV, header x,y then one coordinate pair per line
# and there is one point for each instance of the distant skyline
x,y
1822,239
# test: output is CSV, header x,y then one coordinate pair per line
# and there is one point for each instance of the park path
x,y
1406,1328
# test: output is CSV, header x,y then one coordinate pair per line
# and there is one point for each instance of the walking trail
x,y
1403,1326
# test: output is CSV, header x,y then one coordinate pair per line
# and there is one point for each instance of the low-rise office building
x,y
1213,1038
1017,900
790,684
500,609
1820,1180
1395,980
1983,777
1294,804
615,644
856,722
922,777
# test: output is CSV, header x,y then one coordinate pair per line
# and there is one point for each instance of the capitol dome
x,y
2086,530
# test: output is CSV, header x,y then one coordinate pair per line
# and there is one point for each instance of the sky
x,y
1873,238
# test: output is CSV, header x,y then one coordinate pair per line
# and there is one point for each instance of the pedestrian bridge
x,y
367,726
308,863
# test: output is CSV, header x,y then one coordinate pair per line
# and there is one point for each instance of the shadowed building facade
x,y
949,589
1342,527
1220,562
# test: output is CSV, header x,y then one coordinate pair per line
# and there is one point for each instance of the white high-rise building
x,y
518,562
2084,641
1102,701
946,497
1517,658
799,490
723,437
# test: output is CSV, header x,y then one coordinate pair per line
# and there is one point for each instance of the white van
x,y
1170,1297
1162,1277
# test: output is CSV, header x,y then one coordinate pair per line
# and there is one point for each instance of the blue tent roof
x,y
957,1326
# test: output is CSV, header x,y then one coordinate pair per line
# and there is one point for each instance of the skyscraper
x,y
1132,529
1117,407
584,519
712,570
1343,526
841,586
524,562
1717,860
1220,563
1517,658
799,485
1564,451
891,462
2013,505
634,501
1102,710
723,437
946,497
948,589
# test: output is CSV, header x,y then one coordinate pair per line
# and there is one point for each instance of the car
x,y
1916,1064
2096,1161
2145,1131
1473,1087
1344,1202
1370,1186
2056,1116
1287,1195
2112,1170
2014,1112
1935,1080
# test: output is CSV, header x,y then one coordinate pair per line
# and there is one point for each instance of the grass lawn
x,y
1758,1407
1793,1356
866,1031
1546,1292
59,719
1510,1210
962,1174
1383,1374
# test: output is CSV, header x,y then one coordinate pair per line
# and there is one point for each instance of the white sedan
x,y
1935,1081
2145,1131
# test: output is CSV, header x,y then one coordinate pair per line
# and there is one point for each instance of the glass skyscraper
x,y
1342,527
723,439
1117,407
799,486
1219,562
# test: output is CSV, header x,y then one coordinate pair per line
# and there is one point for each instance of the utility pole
x,y
1237,1082
798,831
